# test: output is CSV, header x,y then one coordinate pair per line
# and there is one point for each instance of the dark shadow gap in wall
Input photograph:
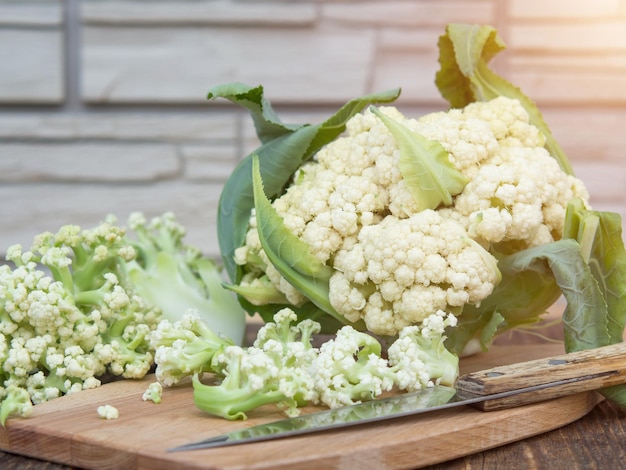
x,y
72,56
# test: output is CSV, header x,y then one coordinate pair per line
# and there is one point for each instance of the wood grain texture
x,y
594,442
606,362
68,431
562,375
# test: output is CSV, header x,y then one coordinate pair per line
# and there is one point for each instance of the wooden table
x,y
596,441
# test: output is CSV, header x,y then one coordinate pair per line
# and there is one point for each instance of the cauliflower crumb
x,y
153,392
108,412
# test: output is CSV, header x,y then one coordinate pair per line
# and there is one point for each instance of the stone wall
x,y
103,109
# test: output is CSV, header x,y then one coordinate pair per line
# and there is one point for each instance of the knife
x,y
488,390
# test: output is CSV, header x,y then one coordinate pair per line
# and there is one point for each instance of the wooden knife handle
x,y
552,377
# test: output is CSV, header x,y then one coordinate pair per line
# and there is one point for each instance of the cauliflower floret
x,y
322,237
520,200
508,120
39,390
414,267
349,369
184,347
15,401
18,361
274,370
419,357
108,412
80,365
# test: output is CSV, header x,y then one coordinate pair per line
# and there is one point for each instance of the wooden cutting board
x,y
68,430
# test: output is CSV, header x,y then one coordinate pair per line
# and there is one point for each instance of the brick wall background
x,y
103,110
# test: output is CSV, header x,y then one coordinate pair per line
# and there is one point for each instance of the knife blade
x,y
488,390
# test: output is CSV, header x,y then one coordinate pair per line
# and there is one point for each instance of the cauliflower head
x,y
394,262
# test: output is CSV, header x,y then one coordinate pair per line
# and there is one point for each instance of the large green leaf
x,y
464,77
602,246
599,234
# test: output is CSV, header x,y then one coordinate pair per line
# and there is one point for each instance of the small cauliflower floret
x,y
252,377
78,364
350,299
365,141
305,199
406,269
39,389
276,369
419,301
322,237
18,361
419,357
349,369
184,348
283,330
108,412
153,393
126,343
15,402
